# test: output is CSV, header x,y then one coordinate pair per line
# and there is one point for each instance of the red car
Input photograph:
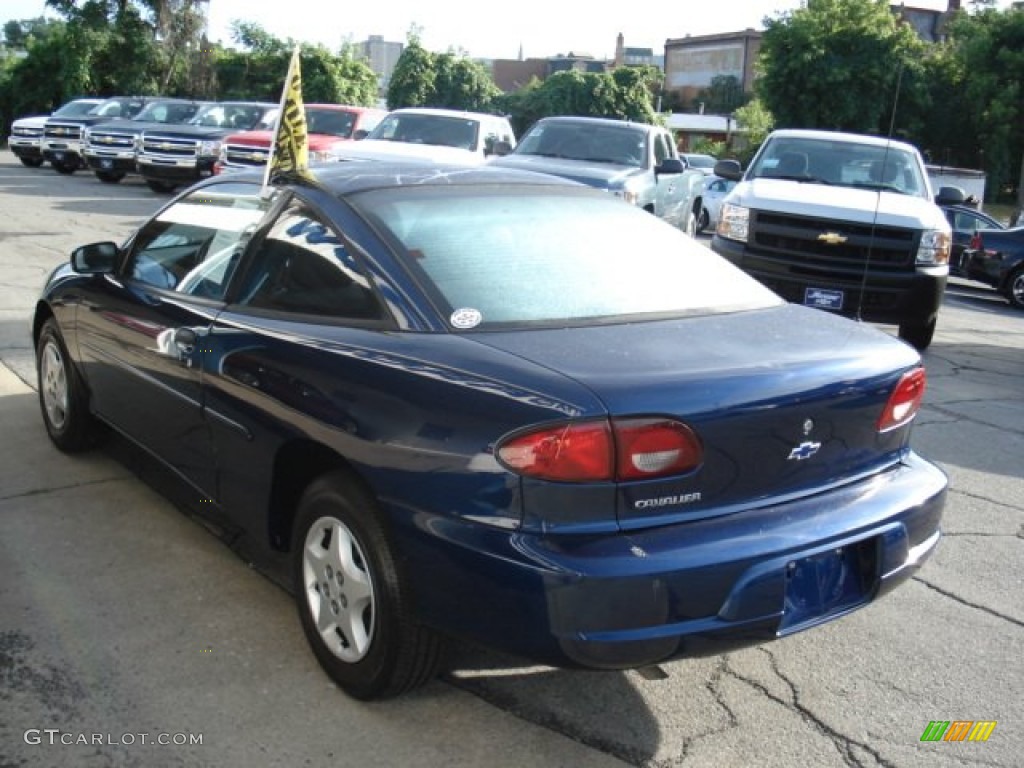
x,y
327,125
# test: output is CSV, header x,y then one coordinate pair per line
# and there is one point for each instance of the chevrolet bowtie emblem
x,y
804,451
165,145
832,238
107,139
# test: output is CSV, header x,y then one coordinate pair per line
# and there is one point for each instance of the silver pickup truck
x,y
635,161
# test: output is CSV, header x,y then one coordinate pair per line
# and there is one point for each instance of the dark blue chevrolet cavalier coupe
x,y
496,405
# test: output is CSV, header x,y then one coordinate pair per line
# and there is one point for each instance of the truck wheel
x,y
109,177
65,167
703,220
161,187
690,225
31,162
353,598
1014,290
918,336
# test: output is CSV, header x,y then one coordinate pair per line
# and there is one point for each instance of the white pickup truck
x,y
843,222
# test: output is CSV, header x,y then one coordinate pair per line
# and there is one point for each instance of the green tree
x,y
412,81
990,50
723,96
836,64
756,123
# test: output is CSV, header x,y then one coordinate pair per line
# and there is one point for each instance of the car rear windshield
x,y
501,256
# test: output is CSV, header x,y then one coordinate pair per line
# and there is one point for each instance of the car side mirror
x,y
360,134
671,165
729,169
95,258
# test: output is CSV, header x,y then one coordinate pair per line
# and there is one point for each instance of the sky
x,y
485,28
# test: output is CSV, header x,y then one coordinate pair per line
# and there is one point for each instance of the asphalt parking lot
x,y
123,615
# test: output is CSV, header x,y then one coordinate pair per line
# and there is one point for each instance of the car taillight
x,y
603,451
904,402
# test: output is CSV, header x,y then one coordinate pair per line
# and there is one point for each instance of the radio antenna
x,y
878,193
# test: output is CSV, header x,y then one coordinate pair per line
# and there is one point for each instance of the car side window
x,y
193,245
304,267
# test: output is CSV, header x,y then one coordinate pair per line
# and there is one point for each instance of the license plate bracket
x,y
828,583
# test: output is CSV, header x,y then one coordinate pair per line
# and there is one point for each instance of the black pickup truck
x,y
109,149
172,156
62,136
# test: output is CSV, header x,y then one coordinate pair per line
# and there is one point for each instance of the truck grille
x,y
27,133
813,242
63,131
110,140
169,146
248,156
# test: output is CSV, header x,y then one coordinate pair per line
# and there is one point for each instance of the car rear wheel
x,y
161,187
64,167
62,396
109,177
1015,288
353,600
31,162
918,336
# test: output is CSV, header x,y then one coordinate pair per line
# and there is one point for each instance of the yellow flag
x,y
290,153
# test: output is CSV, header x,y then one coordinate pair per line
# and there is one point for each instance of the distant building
x,y
635,57
382,56
929,24
512,74
691,63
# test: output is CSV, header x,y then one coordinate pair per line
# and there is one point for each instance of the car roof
x,y
853,138
444,113
341,179
592,121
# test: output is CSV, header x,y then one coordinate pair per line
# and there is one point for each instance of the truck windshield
x,y
841,163
587,142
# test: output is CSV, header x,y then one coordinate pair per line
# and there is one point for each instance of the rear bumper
x,y
878,296
627,600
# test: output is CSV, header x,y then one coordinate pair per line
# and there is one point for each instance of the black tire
x,y
109,177
1014,290
62,396
64,167
374,649
690,224
703,220
918,336
31,162
161,187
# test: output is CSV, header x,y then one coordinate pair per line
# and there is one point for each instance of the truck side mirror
x,y
500,148
671,165
950,196
729,169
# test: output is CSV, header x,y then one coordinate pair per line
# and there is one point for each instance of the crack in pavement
x,y
971,419
55,489
968,603
713,686
844,744
986,499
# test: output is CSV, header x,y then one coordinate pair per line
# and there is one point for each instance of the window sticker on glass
x,y
466,318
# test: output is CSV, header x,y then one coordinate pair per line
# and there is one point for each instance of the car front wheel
x,y
1015,288
353,600
31,162
62,396
703,220
161,187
